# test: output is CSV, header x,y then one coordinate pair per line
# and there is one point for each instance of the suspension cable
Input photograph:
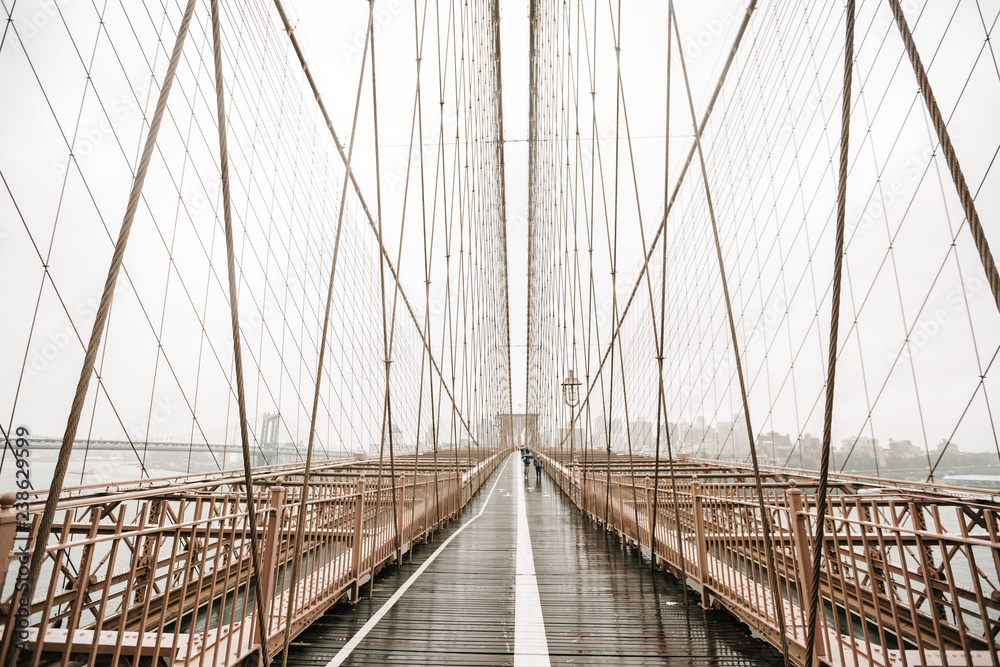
x,y
364,203
765,518
304,494
838,261
237,347
38,552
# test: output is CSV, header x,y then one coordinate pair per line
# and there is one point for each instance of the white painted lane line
x,y
531,648
345,652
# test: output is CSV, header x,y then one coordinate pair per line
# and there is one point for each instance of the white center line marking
x,y
531,648
345,652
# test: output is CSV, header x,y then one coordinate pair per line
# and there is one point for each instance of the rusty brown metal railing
x,y
910,574
160,570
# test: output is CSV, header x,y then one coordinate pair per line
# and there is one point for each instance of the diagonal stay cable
x,y
62,463
304,493
961,186
364,203
779,608
941,128
673,197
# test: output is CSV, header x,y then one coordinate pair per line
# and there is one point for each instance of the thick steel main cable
x,y
838,262
765,519
957,175
234,313
38,552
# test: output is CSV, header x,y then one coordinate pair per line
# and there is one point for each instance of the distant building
x,y
902,449
643,435
860,453
774,447
734,442
398,444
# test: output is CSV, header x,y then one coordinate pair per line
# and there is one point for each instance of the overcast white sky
x,y
921,327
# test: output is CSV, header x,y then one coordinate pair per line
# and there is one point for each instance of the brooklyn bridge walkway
x,y
470,597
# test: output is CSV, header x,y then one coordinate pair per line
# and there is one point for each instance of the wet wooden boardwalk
x,y
472,602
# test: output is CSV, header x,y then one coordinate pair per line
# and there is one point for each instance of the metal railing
x,y
910,576
162,571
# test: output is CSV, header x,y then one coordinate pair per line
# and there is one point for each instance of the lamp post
x,y
571,395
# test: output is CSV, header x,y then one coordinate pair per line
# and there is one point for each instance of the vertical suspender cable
x,y
532,149
351,176
304,494
616,330
387,405
235,316
614,286
622,110
495,7
661,406
779,607
388,341
97,333
838,261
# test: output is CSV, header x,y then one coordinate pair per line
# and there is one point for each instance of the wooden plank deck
x,y
598,604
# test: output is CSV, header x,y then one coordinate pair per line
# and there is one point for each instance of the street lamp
x,y
571,395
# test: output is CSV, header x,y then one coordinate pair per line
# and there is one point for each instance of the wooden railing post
x,y
701,540
803,559
269,551
358,543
